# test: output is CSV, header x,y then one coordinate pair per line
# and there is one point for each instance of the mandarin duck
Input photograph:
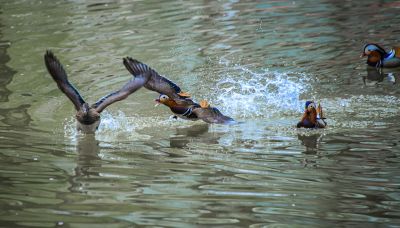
x,y
378,57
88,117
312,117
190,110
156,82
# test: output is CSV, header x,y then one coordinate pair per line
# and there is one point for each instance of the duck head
x,y
311,111
88,119
375,54
165,100
369,48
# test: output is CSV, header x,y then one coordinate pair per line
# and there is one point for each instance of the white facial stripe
x,y
311,105
164,97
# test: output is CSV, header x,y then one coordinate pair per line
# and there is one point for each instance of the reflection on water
x,y
88,155
187,135
377,76
6,72
310,142
256,61
15,115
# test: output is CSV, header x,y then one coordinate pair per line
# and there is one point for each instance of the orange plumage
x,y
374,57
311,116
397,51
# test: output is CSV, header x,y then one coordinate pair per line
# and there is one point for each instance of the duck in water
x,y
312,117
378,57
172,96
190,110
88,117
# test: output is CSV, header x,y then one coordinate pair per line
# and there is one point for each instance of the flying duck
x,y
312,117
172,96
88,117
190,110
378,57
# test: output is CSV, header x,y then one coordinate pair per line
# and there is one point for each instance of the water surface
x,y
258,61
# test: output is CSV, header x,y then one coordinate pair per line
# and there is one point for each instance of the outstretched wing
x,y
157,82
134,84
212,115
57,72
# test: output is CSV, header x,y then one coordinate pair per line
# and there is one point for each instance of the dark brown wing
x,y
157,82
185,102
134,84
212,115
59,75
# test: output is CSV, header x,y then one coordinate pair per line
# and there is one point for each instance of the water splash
x,y
242,94
119,127
266,93
110,126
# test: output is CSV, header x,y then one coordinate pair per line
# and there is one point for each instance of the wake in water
x,y
119,126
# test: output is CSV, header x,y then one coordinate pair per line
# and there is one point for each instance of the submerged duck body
x,y
88,117
312,117
379,57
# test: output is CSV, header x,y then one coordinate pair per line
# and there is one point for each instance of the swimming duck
x,y
312,117
183,109
88,117
190,110
378,57
156,82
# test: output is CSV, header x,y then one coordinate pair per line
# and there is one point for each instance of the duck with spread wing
x,y
88,116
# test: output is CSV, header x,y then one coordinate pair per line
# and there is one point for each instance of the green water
x,y
256,61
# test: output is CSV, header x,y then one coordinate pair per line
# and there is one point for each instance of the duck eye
x,y
163,97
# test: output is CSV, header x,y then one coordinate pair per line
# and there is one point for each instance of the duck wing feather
x,y
57,72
